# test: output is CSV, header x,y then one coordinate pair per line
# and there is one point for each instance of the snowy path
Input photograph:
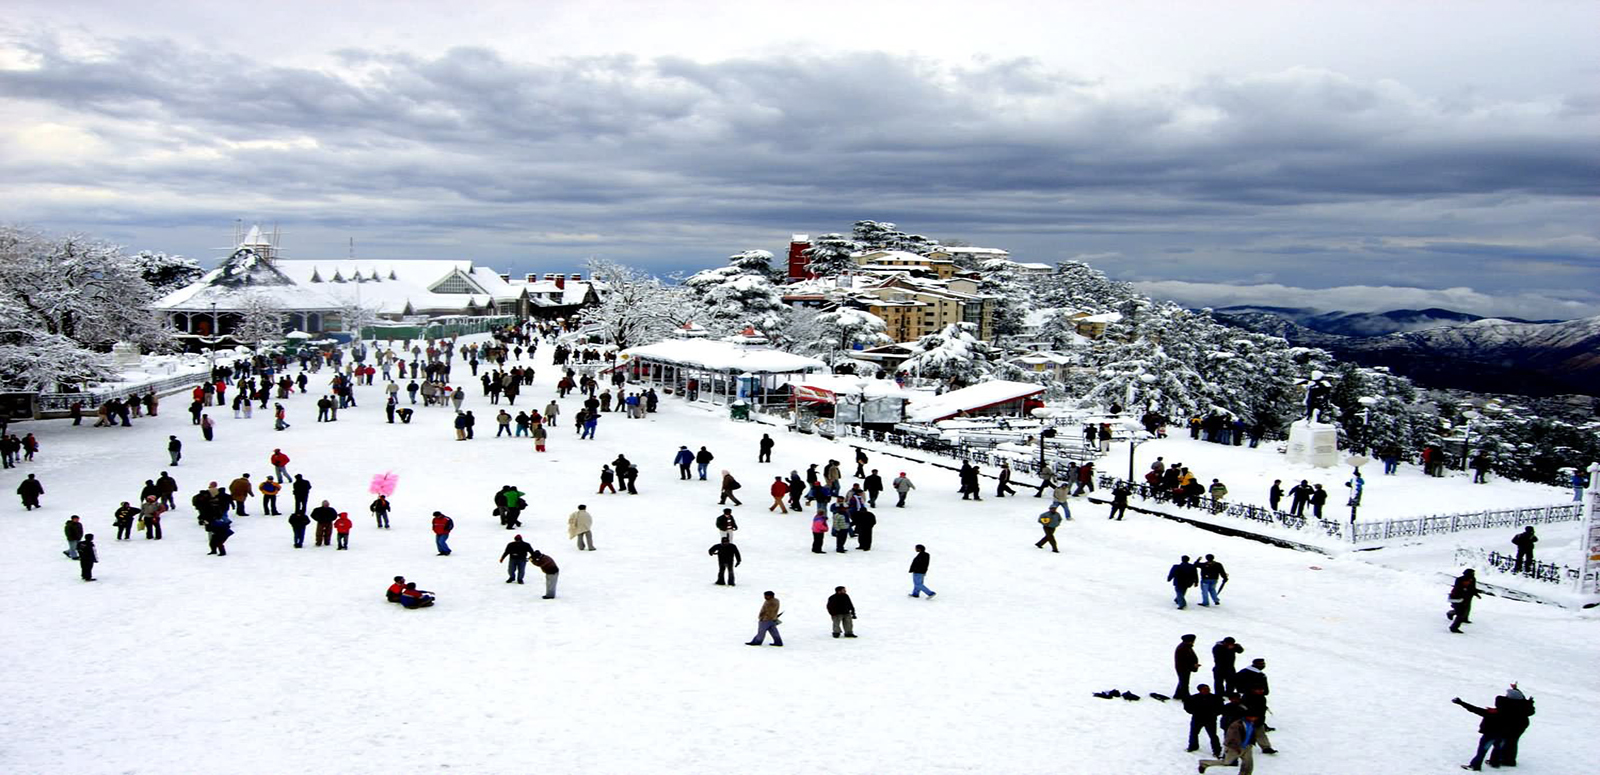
x,y
274,659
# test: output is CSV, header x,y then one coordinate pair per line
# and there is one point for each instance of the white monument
x,y
125,354
1315,444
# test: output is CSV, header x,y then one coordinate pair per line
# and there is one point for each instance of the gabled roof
x,y
970,399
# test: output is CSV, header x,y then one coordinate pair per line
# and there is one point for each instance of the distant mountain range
x,y
1445,349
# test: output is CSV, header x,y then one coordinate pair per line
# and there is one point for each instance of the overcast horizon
x,y
1361,156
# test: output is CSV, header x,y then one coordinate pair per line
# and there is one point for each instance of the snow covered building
x,y
318,296
555,295
941,268
995,398
720,372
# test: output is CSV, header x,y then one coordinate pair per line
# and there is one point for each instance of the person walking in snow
x,y
297,523
1183,576
341,529
1050,520
579,525
864,522
174,449
861,463
902,485
779,490
767,621
1462,591
280,465
1203,708
29,490
1210,572
703,459
87,557
1186,663
728,558
841,528
764,454
1237,743
969,482
1004,487
726,523
302,492
1524,542
324,515
442,525
240,491
729,484
517,551
73,529
683,460
919,571
819,527
123,519
843,613
1119,503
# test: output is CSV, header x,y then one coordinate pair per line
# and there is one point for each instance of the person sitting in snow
x,y
395,589
411,597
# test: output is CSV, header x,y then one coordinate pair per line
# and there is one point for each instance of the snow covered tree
x,y
830,336
757,262
165,273
63,301
638,309
1011,293
261,319
875,235
829,255
727,299
957,356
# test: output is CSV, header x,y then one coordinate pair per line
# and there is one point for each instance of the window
x,y
456,283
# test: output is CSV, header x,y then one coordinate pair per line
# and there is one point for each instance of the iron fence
x,y
60,403
1499,562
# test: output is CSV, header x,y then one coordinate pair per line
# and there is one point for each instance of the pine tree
x,y
830,255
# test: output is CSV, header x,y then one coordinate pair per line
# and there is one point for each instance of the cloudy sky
x,y
1353,155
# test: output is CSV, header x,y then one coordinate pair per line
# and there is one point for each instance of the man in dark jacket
x,y
298,521
919,569
324,516
1524,542
1203,708
1222,668
1462,592
1210,572
765,455
87,557
302,492
518,551
74,532
1251,684
1299,495
728,558
843,612
683,460
872,484
703,459
1491,731
1186,663
1516,709
1183,576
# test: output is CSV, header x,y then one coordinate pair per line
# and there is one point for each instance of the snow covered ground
x,y
276,660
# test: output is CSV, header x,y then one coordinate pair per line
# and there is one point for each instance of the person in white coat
x,y
578,525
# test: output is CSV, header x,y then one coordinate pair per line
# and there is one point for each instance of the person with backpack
x,y
729,484
1524,542
442,525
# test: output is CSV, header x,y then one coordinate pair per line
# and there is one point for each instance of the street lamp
x,y
1042,414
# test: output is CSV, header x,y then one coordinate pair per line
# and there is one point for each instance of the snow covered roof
x,y
1105,317
853,386
390,287
968,399
724,356
973,251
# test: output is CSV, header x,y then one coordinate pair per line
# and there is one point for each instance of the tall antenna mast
x,y
352,248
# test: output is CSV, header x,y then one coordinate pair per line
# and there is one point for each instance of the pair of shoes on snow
x,y
1161,697
1113,694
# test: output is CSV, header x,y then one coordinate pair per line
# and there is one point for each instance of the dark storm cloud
x,y
675,153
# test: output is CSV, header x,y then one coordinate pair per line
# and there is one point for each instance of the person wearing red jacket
x,y
442,525
779,490
341,527
280,463
395,589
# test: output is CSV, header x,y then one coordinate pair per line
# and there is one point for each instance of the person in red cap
x,y
902,485
341,527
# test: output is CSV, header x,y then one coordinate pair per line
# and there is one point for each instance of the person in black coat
x,y
919,569
1524,542
1299,495
728,558
302,492
872,484
1222,663
324,516
30,489
1185,662
765,455
1183,576
298,521
864,521
1203,708
843,613
1516,709
1275,494
1491,731
969,482
1319,498
87,557
797,489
